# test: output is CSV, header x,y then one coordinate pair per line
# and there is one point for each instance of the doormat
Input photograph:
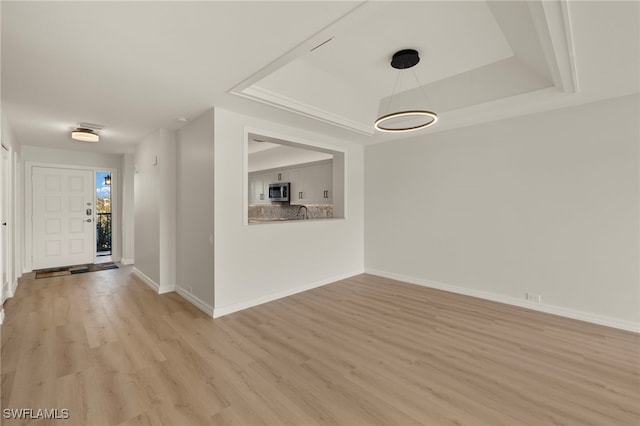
x,y
77,269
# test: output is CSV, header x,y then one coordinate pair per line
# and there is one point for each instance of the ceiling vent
x,y
321,44
91,126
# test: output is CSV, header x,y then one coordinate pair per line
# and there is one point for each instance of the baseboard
x,y
229,309
1,316
195,301
166,289
550,309
126,261
145,279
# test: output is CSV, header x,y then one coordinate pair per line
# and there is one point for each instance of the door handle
x,y
89,220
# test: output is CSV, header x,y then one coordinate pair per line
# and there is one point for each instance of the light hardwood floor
x,y
362,351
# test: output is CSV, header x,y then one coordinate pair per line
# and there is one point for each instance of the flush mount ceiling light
x,y
410,120
85,135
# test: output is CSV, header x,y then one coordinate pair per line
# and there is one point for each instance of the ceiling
x,y
280,156
265,152
134,67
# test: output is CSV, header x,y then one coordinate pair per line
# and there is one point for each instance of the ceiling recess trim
x,y
247,88
551,19
272,98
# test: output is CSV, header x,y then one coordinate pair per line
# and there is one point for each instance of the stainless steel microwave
x,y
279,191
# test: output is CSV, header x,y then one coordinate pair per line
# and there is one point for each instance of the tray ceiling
x,y
471,53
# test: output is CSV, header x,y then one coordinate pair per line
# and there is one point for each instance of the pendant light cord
x,y
392,92
419,84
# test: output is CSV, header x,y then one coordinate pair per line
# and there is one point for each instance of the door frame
x,y
6,203
28,223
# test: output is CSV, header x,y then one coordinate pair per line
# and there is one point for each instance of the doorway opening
x,y
103,216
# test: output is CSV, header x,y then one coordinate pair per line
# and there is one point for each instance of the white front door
x,y
63,228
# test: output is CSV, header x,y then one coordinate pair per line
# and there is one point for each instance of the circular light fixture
x,y
404,59
85,135
431,119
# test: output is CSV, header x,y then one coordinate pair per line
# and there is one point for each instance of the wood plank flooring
x,y
363,351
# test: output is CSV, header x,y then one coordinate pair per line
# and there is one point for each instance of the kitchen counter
x,y
255,220
283,212
269,219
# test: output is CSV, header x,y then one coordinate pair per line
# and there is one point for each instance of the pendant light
x,y
107,180
405,59
85,135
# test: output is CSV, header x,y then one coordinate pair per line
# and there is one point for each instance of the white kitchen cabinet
x,y
299,186
324,182
272,177
312,184
253,192
258,191
282,176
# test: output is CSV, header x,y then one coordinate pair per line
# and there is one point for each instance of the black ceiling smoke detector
x,y
404,59
410,120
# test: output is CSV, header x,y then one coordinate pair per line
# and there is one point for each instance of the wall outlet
x,y
191,289
533,297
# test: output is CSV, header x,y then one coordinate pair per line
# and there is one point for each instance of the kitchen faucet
x,y
306,212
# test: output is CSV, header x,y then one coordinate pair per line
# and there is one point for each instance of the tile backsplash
x,y
287,211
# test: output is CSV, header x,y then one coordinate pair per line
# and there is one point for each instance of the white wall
x,y
3,291
18,217
96,161
146,215
16,207
167,205
254,264
8,231
194,259
128,212
546,203
154,211
76,158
